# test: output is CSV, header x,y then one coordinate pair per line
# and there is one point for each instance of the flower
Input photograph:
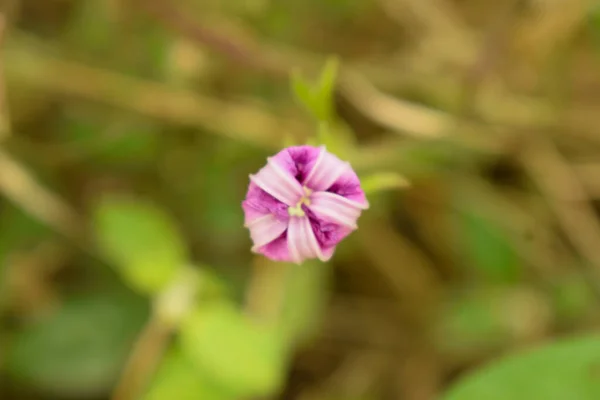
x,y
302,204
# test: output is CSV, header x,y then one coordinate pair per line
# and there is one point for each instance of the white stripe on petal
x,y
313,244
286,179
278,183
293,240
340,199
265,229
302,242
335,208
327,169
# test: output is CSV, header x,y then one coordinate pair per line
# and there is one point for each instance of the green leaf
x,y
79,350
302,90
317,98
119,140
326,88
141,240
480,320
235,352
178,378
483,241
383,181
564,370
572,298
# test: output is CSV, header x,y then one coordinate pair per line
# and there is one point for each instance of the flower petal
x,y
277,182
259,203
326,170
302,243
277,250
327,254
335,208
265,229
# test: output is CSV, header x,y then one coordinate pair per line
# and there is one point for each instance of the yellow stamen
x,y
297,211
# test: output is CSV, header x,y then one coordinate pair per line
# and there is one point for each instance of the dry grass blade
x,y
391,113
20,187
568,199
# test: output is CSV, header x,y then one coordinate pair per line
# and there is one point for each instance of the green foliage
x,y
567,369
18,230
381,181
483,242
317,97
475,320
234,351
78,350
594,24
130,142
573,297
178,378
141,241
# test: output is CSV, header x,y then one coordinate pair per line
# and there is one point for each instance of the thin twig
x,y
568,199
143,360
243,53
18,185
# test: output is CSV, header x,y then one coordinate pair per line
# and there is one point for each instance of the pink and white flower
x,y
302,204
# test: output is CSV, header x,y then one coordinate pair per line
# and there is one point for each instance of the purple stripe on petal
x,y
327,169
266,229
348,186
328,234
297,160
277,250
259,203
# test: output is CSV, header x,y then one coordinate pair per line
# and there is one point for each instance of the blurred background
x,y
128,129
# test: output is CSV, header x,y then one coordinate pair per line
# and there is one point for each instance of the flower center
x,y
297,211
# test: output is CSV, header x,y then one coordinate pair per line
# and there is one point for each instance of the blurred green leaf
x,y
79,350
302,90
472,322
564,370
236,352
306,293
178,378
141,240
594,23
572,297
484,243
383,181
325,89
317,98
121,141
